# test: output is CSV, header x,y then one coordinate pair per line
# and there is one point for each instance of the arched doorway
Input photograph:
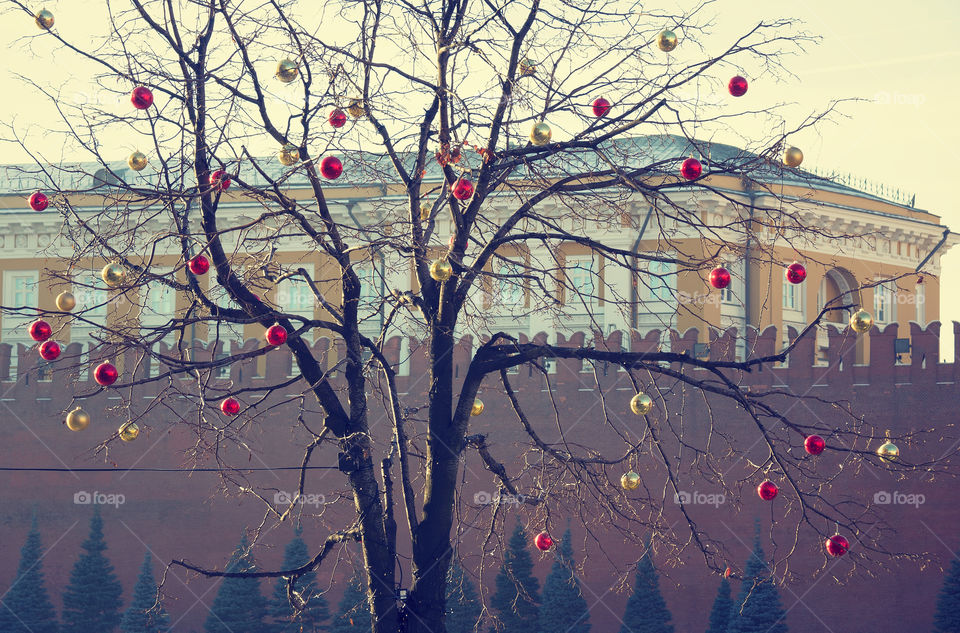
x,y
836,283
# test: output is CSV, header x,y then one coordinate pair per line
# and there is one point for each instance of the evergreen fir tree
x,y
646,610
26,608
316,611
757,608
144,615
517,597
239,605
92,600
722,606
353,613
463,605
947,618
563,607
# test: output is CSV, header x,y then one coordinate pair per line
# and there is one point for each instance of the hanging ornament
x,y
477,407
44,20
527,67
77,420
888,451
837,545
720,277
105,374
66,301
462,189
40,330
49,350
113,274
667,41
543,541
141,98
737,86
630,480
814,444
600,107
691,169
796,273
199,265
861,321
331,167
276,334
540,134
230,406
356,108
441,270
727,572
768,490
337,118
641,404
425,209
129,431
287,71
792,157
38,201
137,161
220,179
289,155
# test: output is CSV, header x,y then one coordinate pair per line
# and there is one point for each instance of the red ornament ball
x,y
462,189
691,169
230,406
276,334
331,167
837,545
105,374
38,201
737,86
337,118
543,541
600,107
199,265
40,330
141,98
814,444
221,179
49,350
768,490
720,277
796,273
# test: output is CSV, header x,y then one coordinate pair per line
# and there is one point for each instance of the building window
x,y
159,304
580,272
792,296
91,298
509,285
883,303
920,298
294,296
663,277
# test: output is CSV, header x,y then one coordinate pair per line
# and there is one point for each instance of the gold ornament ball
x,y
667,41
356,108
792,157
477,407
137,161
289,155
66,301
425,210
77,420
441,270
113,274
888,451
861,321
287,71
630,481
129,432
44,20
641,404
540,134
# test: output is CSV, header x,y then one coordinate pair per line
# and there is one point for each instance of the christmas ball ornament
x,y
105,374
49,350
462,189
289,155
641,404
691,169
199,265
727,572
796,273
220,179
527,67
38,201
356,108
44,20
66,301
141,98
337,118
814,444
837,545
276,334
331,167
230,406
113,274
720,277
768,490
667,41
287,71
540,134
477,407
543,541
77,420
861,321
425,210
737,86
137,161
40,330
792,157
600,107
888,451
441,270
129,431
630,481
